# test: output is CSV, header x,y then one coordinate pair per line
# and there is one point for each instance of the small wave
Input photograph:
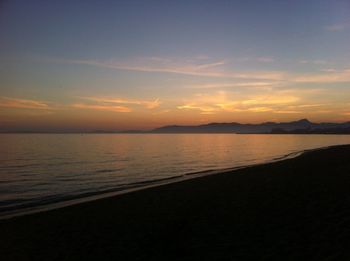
x,y
107,170
9,167
107,189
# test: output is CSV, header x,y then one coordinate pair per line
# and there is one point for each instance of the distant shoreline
x,y
146,185
303,126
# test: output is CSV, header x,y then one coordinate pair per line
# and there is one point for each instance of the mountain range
x,y
300,126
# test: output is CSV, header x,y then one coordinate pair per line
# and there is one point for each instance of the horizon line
x,y
130,131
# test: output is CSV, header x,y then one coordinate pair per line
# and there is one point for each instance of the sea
x,y
44,171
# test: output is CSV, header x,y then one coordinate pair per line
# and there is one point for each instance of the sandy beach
x,y
289,210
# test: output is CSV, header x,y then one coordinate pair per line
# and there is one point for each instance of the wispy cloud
x,y
336,27
194,67
259,109
119,101
262,84
254,59
287,112
156,64
265,59
329,70
115,104
204,109
214,70
302,108
223,103
101,107
219,69
15,103
316,62
271,100
93,103
326,77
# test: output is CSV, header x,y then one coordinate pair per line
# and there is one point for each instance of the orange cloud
x,y
272,100
147,104
260,109
287,112
202,108
101,107
14,103
262,84
327,77
223,103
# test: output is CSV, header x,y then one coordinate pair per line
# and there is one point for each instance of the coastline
x,y
296,207
133,187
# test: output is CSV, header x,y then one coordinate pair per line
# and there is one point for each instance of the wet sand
x,y
290,210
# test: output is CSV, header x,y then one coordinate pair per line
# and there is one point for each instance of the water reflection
x,y
37,168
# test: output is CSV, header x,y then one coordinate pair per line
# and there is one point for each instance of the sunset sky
x,y
118,65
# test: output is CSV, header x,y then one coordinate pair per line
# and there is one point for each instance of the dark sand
x,y
297,209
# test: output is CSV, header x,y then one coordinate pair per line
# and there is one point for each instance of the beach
x,y
293,209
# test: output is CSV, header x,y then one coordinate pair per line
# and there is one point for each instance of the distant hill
x,y
267,127
302,126
339,130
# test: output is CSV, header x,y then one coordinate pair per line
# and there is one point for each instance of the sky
x,y
121,65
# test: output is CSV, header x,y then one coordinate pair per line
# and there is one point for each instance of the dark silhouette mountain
x,y
266,127
339,130
302,126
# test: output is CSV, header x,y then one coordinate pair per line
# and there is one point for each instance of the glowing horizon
x,y
120,66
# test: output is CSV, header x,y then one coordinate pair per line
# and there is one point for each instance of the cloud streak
x,y
223,103
326,77
14,103
101,107
336,27
153,65
114,104
261,84
94,103
265,59
191,67
218,69
119,101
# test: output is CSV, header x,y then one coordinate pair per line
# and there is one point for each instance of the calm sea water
x,y
38,170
